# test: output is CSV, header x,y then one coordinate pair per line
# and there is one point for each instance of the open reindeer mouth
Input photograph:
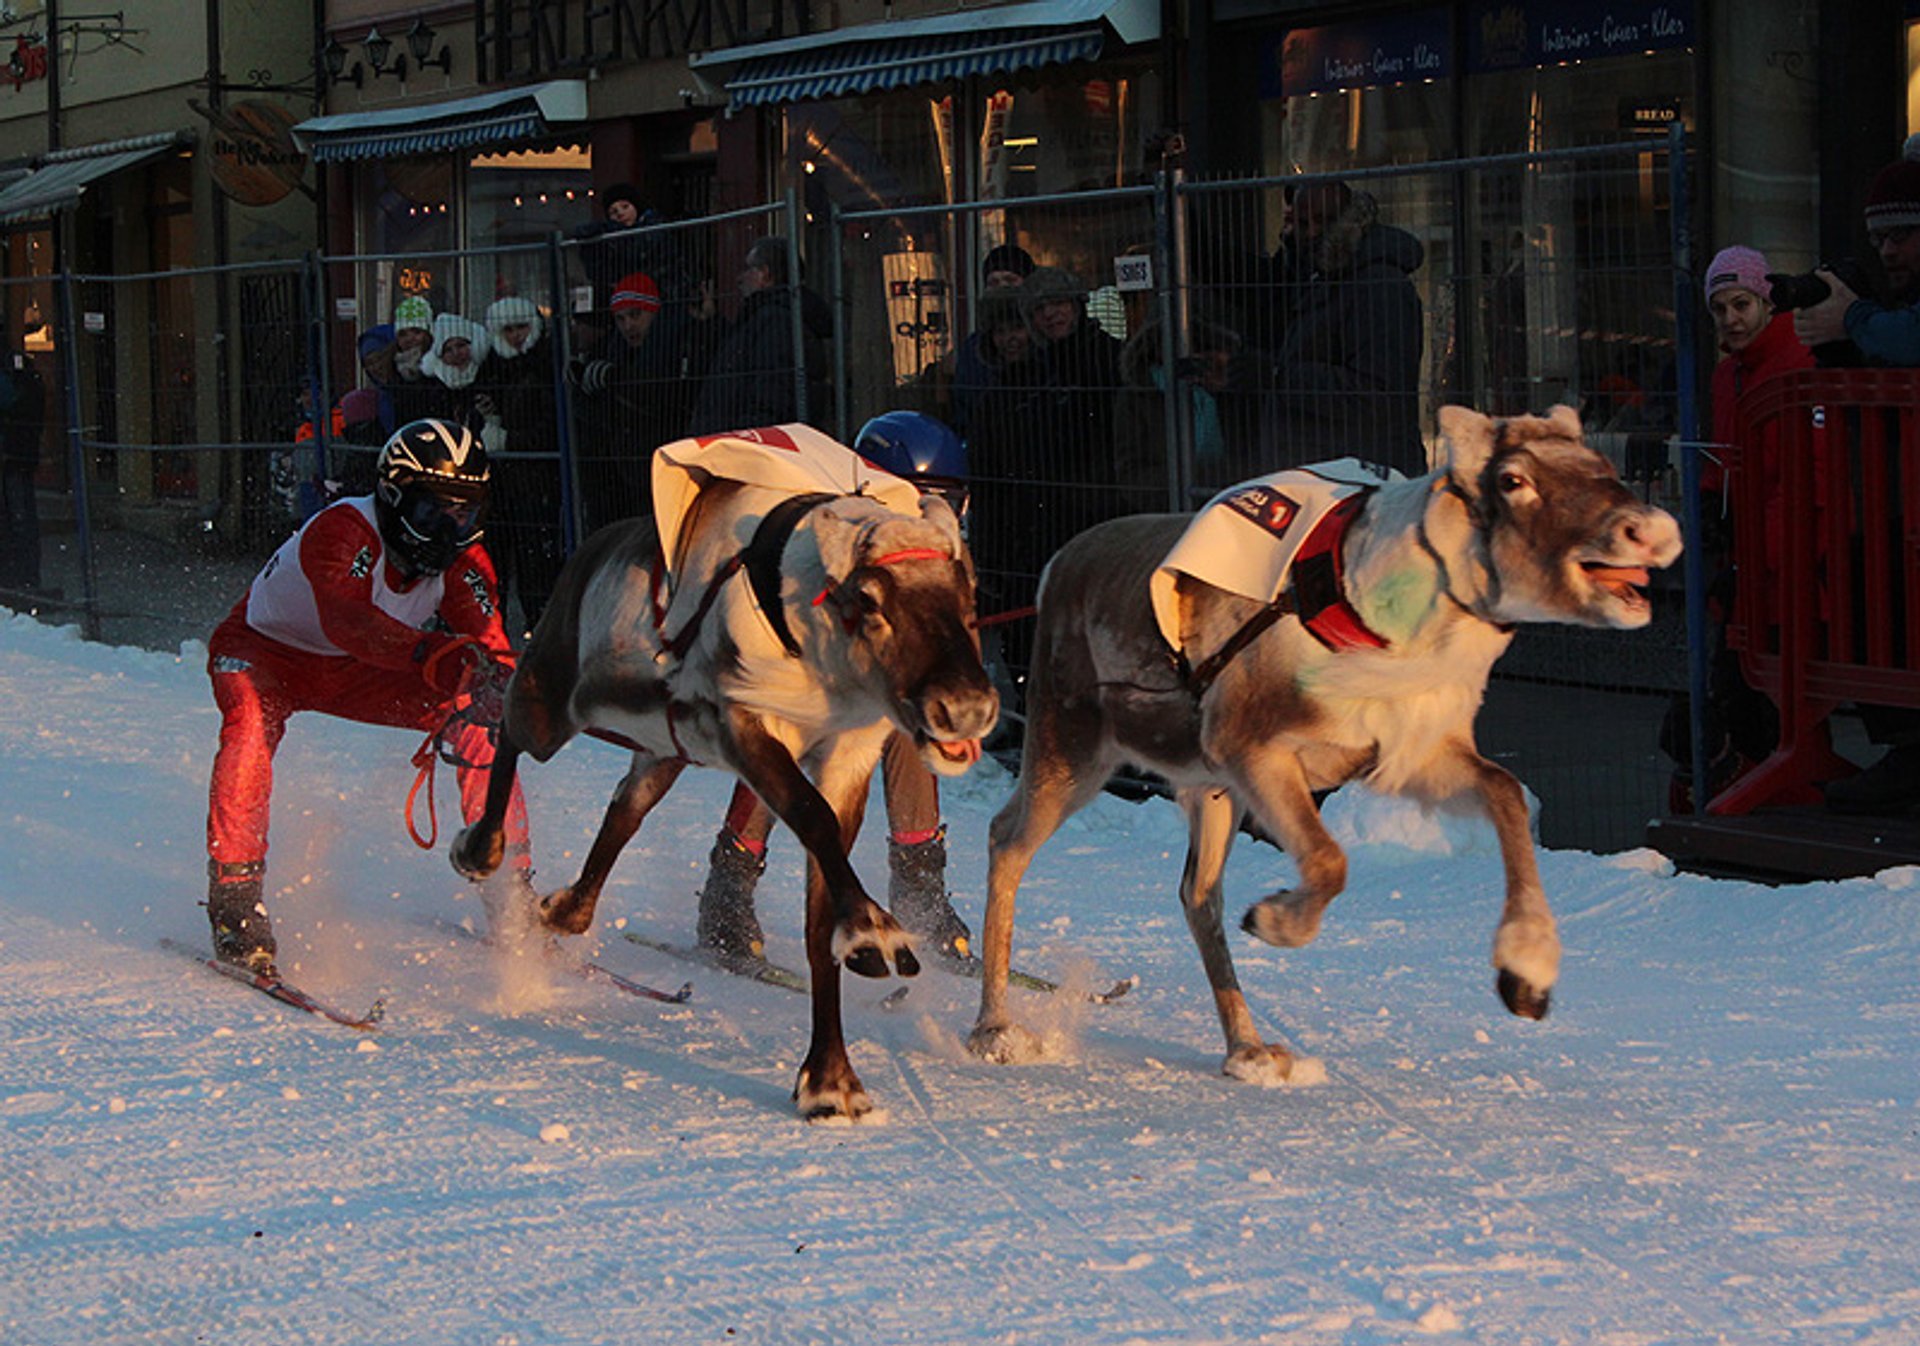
x,y
1626,583
961,752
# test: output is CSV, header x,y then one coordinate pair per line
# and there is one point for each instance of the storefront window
x,y
407,215
517,200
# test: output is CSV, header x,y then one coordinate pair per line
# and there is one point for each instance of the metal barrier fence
x,y
208,412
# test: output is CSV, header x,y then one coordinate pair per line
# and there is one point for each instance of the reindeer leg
x,y
1274,784
570,910
1212,817
1526,946
827,1085
865,936
1064,762
478,848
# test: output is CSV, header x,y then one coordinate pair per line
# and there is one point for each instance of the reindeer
x,y
1369,664
801,630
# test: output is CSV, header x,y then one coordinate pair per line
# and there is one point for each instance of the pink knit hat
x,y
1739,268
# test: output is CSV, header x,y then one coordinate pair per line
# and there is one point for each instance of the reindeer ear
x,y
1565,421
839,539
935,510
1466,445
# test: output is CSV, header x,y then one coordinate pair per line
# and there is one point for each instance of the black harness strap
x,y
762,556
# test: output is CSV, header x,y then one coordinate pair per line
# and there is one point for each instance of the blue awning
x,y
893,54
461,123
60,177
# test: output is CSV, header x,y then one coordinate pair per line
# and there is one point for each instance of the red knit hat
x,y
635,291
1893,201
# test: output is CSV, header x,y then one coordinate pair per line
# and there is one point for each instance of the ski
x,y
970,966
740,965
584,969
279,988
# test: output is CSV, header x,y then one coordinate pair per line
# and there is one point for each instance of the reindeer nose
x,y
1652,531
962,712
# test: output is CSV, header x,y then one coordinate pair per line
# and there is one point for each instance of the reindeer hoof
x,y
1523,997
1266,1065
1005,1044
563,913
905,963
1283,920
846,1101
867,961
475,854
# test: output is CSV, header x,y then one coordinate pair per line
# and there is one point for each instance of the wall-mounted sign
x,y
1517,34
346,308
1390,49
1133,271
27,62
1644,117
252,154
93,322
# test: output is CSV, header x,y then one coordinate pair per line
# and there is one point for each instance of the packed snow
x,y
1714,1137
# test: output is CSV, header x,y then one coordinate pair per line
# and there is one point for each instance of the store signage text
x,y
514,38
1515,34
1393,49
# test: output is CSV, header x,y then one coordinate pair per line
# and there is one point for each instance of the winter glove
x,y
493,435
485,683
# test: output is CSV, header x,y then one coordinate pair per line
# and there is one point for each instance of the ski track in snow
x,y
1715,1137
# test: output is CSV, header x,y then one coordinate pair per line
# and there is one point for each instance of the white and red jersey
x,y
329,591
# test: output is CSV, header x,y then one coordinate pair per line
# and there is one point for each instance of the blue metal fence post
x,y
796,292
838,278
77,459
1685,357
321,383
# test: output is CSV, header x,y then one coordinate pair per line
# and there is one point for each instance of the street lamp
x,y
420,42
334,57
378,48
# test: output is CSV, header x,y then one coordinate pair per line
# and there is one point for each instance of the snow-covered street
x,y
1714,1138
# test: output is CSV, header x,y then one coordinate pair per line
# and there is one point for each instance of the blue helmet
x,y
915,446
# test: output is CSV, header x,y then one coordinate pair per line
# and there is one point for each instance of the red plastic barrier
x,y
1826,507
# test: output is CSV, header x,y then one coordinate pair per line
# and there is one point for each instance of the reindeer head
x,y
1564,539
903,589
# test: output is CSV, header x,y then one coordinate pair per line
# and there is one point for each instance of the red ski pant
x,y
258,683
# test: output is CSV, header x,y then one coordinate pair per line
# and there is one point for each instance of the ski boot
x,y
728,925
242,935
917,896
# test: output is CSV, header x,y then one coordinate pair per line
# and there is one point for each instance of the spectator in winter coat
x,y
750,378
975,368
623,242
451,365
1141,451
1347,376
516,379
1070,423
381,609
632,400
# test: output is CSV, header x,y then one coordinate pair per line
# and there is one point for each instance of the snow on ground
x,y
1713,1138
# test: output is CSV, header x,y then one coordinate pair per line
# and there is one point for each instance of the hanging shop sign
x,y
1519,34
26,63
1390,49
251,153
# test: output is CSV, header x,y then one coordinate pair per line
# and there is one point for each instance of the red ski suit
x,y
327,626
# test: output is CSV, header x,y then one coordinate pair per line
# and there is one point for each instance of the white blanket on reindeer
x,y
1245,538
796,459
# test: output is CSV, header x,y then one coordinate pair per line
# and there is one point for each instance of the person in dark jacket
x,y
750,378
975,366
1347,377
633,399
624,241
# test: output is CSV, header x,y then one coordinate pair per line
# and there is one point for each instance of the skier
x,y
382,609
924,451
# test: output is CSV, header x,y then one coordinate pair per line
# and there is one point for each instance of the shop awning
x,y
431,128
893,54
60,177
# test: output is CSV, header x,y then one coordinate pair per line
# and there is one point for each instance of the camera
x,y
1796,292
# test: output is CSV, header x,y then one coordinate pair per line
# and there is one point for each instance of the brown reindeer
x,y
804,629
1372,667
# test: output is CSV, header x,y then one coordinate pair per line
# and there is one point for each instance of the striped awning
x,y
432,128
60,178
893,54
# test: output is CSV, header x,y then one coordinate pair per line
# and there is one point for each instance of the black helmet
x,y
431,494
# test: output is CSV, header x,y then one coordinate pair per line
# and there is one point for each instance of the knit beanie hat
x,y
635,290
447,327
621,191
508,312
374,340
1893,201
413,311
1739,268
1007,257
1048,283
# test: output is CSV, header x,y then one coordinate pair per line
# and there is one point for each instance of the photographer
x,y
1884,333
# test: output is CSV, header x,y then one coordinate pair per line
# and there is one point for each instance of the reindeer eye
x,y
1511,481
